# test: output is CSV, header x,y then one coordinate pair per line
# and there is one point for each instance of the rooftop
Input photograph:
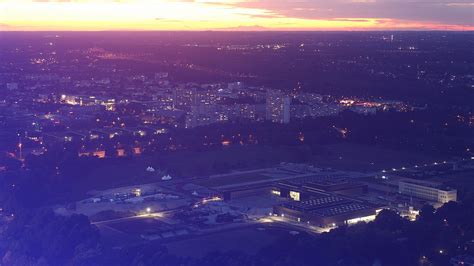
x,y
427,184
341,209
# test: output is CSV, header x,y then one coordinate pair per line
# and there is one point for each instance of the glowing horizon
x,y
101,15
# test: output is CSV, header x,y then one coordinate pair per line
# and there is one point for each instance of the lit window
x,y
295,195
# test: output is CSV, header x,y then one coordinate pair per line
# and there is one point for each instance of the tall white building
x,y
278,107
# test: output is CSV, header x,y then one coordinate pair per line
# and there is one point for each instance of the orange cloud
x,y
181,15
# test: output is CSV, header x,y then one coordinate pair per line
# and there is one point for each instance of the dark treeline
x,y
439,131
200,152
42,238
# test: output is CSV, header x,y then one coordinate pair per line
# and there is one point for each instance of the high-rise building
x,y
184,97
278,107
202,115
235,86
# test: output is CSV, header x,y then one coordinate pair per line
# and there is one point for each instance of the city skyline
x,y
231,15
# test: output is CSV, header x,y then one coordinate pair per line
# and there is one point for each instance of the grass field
x,y
369,158
140,226
189,164
131,171
232,179
110,173
226,241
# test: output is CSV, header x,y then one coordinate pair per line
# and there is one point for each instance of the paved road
x,y
153,215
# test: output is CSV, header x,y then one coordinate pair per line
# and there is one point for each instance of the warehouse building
x,y
300,189
326,209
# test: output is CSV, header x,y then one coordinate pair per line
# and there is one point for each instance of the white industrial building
x,y
430,191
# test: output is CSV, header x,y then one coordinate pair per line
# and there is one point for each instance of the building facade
x,y
278,107
426,190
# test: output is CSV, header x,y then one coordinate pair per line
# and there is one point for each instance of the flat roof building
x,y
327,210
430,191
302,188
278,107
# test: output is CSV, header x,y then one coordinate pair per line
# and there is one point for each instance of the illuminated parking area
x,y
275,219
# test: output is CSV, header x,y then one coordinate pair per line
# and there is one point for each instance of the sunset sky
x,y
236,14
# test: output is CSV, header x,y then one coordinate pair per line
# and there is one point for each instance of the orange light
x,y
178,15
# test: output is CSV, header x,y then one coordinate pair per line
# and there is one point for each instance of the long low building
x,y
426,190
325,209
302,188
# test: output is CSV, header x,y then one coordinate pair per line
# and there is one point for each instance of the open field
x,y
140,226
253,238
115,238
204,163
357,157
109,173
232,179
185,164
